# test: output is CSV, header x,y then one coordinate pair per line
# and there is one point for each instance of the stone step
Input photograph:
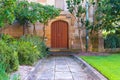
x,y
61,53
63,50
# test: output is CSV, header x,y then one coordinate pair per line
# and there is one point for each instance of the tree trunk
x,y
34,30
81,41
43,32
80,35
23,29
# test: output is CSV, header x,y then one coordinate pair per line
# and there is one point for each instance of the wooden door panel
x,y
59,34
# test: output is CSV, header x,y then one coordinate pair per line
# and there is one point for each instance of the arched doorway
x,y
59,34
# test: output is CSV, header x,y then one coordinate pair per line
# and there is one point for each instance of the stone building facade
x,y
60,41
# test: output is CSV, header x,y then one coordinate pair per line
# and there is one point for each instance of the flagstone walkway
x,y
60,68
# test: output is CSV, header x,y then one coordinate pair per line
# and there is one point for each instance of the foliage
x,y
43,50
7,8
3,74
22,14
7,38
107,15
76,8
109,65
112,40
32,49
33,12
26,50
8,56
38,43
48,13
27,53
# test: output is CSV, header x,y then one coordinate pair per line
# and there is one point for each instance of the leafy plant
x,y
33,12
76,8
8,56
3,74
37,41
27,52
7,8
107,15
48,13
22,14
7,38
112,40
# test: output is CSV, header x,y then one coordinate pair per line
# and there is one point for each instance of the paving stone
x,y
49,67
80,78
63,75
46,75
72,63
79,74
60,68
75,68
64,79
60,63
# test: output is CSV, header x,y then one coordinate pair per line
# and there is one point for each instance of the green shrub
x,y
42,49
38,42
8,57
112,41
27,53
3,74
7,38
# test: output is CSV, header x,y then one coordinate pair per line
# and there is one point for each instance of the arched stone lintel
x,y
48,30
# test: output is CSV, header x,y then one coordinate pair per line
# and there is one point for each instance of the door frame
x,y
67,33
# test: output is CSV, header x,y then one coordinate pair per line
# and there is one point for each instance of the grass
x,y
109,65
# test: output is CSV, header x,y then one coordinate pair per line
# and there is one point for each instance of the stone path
x,y
60,68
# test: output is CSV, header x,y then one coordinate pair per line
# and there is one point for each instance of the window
x,y
59,4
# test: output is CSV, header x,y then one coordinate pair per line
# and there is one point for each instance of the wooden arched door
x,y
59,34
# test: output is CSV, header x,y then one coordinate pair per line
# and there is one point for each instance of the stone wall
x,y
95,40
15,30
